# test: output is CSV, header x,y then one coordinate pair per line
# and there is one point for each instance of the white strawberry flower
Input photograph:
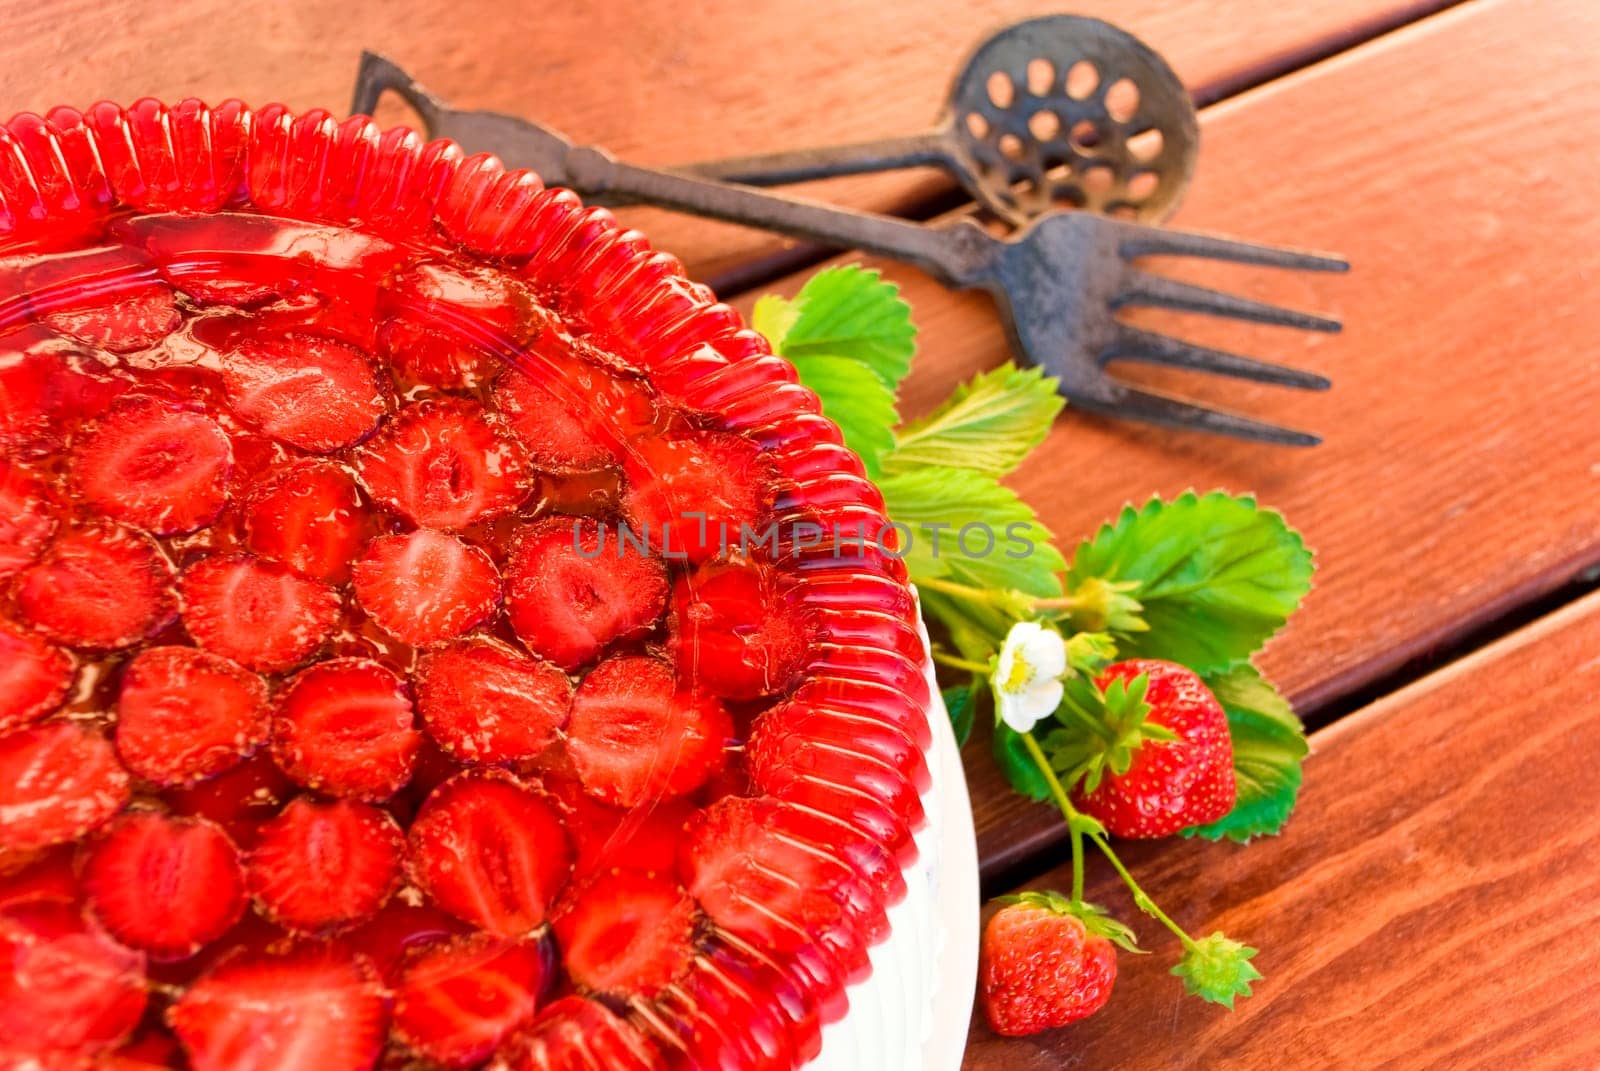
x,y
1027,676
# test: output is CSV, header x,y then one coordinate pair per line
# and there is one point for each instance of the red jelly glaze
x,y
241,220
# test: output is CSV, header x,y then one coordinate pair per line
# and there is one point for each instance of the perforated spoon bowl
x,y
1051,112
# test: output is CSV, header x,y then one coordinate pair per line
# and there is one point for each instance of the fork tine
x,y
1161,292
1132,403
1136,345
1156,242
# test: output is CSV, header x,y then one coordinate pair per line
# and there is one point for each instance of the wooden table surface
x,y
1435,903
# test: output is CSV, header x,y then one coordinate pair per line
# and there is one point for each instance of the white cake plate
x,y
912,1013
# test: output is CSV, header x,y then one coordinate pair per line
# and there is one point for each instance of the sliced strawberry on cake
x,y
259,614
738,629
575,1034
426,587
156,465
626,933
484,702
450,327
321,865
66,989
184,715
697,494
34,677
58,781
27,519
307,1010
309,516
312,392
98,587
103,298
569,413
637,734
444,464
345,727
492,851
166,886
573,589
457,1000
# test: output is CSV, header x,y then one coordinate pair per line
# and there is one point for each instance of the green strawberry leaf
x,y
989,424
968,528
1217,969
849,311
854,398
961,702
1011,754
1216,576
1269,745
774,316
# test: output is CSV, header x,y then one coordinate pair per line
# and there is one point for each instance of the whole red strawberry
x,y
1167,784
1045,962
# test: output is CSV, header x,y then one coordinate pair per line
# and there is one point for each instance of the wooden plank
x,y
1432,904
1461,465
658,82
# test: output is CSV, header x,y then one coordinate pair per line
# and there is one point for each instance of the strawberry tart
x,y
433,632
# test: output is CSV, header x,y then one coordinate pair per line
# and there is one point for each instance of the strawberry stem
x,y
968,664
1074,822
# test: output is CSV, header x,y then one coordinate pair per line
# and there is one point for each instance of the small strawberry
x,y
427,586
307,515
184,715
492,851
635,736
166,886
738,629
321,865
1046,962
446,326
344,727
259,614
304,1011
626,933
457,1000
156,465
34,677
575,1034
26,517
570,414
116,313
58,781
306,390
1171,764
758,881
484,702
444,464
698,493
572,590
98,587
66,989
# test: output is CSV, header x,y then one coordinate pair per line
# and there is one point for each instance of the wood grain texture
x,y
654,81
1433,904
1461,466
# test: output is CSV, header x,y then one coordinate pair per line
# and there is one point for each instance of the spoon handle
x,y
957,255
929,149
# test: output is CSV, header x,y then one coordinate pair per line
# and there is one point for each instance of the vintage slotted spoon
x,y
1061,111
1058,283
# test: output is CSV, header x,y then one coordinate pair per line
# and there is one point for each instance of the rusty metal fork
x,y
1059,283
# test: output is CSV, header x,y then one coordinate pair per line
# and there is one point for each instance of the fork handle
x,y
958,255
930,149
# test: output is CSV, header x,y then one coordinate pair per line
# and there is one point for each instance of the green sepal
x,y
1101,730
1217,969
1090,652
1094,917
